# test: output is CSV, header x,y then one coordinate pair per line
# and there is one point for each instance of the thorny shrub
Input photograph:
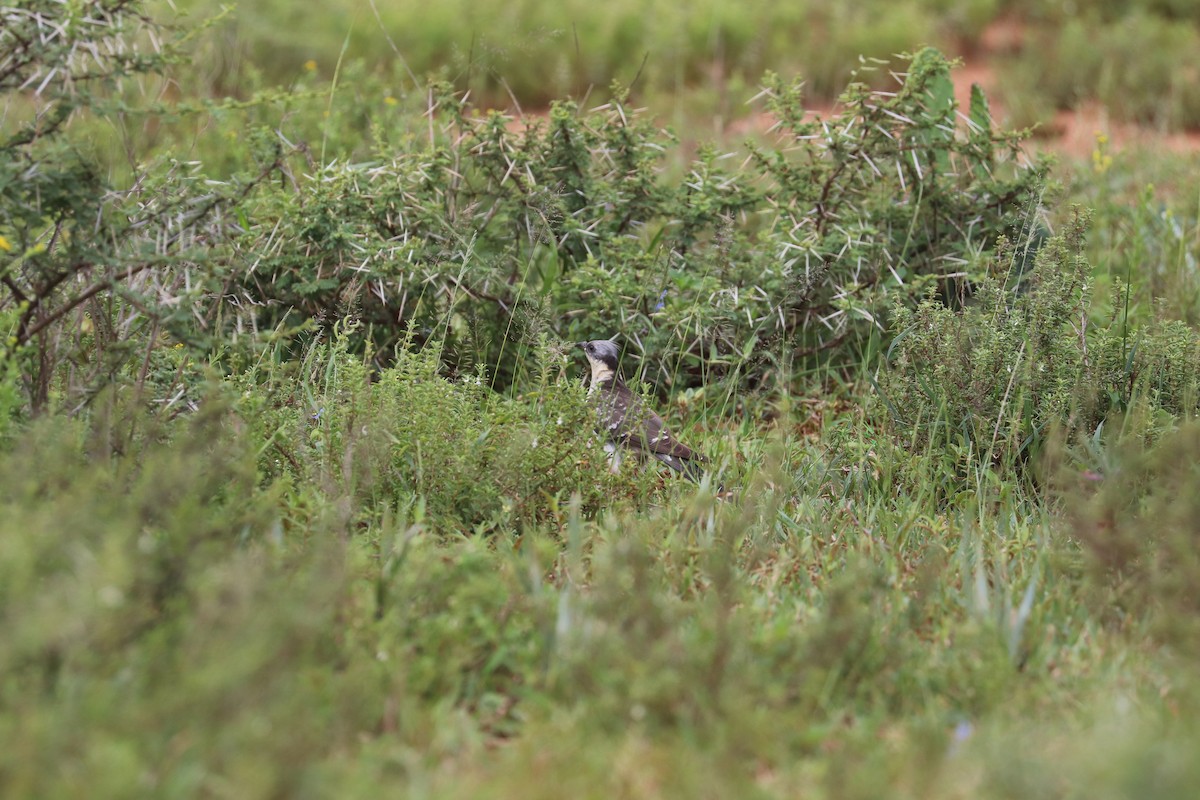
x,y
479,237
580,226
92,273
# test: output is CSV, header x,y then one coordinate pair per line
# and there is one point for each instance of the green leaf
x,y
980,114
930,73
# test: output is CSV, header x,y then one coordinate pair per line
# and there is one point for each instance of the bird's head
x,y
602,357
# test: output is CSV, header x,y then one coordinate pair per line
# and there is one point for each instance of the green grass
x,y
1130,57
181,623
956,556
542,52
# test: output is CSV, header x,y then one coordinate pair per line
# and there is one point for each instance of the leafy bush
x,y
407,436
891,197
92,273
577,227
167,632
484,238
996,373
1021,358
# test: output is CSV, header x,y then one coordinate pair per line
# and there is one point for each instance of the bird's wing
x,y
628,421
658,440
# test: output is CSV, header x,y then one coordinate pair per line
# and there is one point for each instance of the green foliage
x,y
991,379
1131,64
890,197
219,598
164,634
992,376
1137,516
12,401
406,437
302,546
171,630
84,264
579,227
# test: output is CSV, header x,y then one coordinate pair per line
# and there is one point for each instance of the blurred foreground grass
x,y
179,624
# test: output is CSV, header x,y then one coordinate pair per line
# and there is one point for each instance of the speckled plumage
x,y
625,419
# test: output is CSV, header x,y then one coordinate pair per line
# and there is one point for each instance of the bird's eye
x,y
590,348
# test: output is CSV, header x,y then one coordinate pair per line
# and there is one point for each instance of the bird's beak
x,y
581,345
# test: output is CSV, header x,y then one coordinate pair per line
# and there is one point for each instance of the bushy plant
x,y
993,378
890,197
167,631
1131,64
995,374
485,238
406,435
579,227
1136,515
92,272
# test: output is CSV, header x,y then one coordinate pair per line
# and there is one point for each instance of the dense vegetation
x,y
1134,56
302,496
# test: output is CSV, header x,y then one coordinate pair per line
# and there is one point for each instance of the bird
x,y
627,421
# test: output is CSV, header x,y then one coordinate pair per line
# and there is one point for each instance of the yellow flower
x,y
310,65
1101,159
4,245
391,101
